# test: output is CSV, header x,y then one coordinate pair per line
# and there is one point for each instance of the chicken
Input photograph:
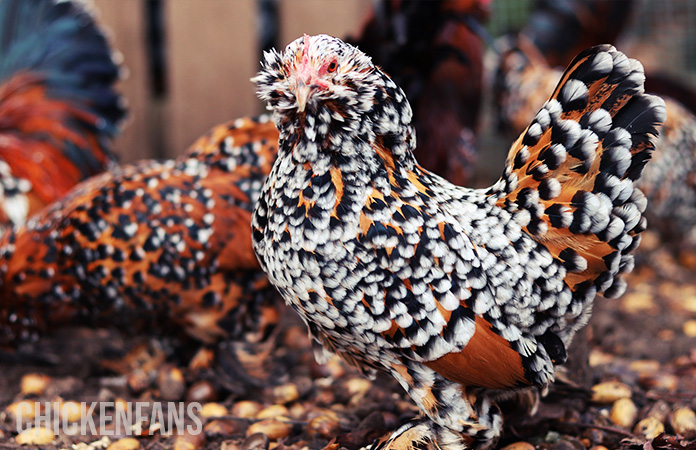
x,y
429,48
669,182
522,82
459,294
152,246
58,105
447,51
562,28
45,285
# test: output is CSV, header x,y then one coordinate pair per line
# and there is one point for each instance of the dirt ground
x,y
275,396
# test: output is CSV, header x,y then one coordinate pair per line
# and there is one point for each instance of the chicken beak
x,y
302,92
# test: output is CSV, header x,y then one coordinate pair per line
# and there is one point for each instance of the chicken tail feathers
x,y
57,96
573,169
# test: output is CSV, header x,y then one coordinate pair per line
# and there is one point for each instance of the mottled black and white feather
x,y
446,288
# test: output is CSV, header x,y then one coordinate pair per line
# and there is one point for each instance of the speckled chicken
x,y
151,246
669,181
459,294
58,107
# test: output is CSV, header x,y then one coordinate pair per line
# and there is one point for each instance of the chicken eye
x,y
332,67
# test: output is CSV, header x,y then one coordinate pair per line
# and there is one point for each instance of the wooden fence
x,y
211,51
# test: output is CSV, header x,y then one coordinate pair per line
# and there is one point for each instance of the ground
x,y
641,347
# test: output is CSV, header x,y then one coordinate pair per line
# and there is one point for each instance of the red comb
x,y
305,50
304,71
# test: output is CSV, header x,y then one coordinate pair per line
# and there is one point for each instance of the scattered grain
x,y
683,422
274,429
624,412
609,392
649,428
35,436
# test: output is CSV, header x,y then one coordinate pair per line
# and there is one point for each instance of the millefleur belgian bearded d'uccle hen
x,y
460,294
154,246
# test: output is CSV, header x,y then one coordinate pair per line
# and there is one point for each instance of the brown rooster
x,y
58,108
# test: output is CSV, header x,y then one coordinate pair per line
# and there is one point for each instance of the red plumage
x,y
58,107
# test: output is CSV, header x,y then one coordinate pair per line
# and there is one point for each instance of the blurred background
x,y
188,62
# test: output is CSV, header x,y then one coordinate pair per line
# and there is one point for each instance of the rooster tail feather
x,y
572,171
58,47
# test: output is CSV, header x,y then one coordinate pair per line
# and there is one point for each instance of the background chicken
x,y
457,293
555,31
561,29
156,246
432,50
669,181
57,102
